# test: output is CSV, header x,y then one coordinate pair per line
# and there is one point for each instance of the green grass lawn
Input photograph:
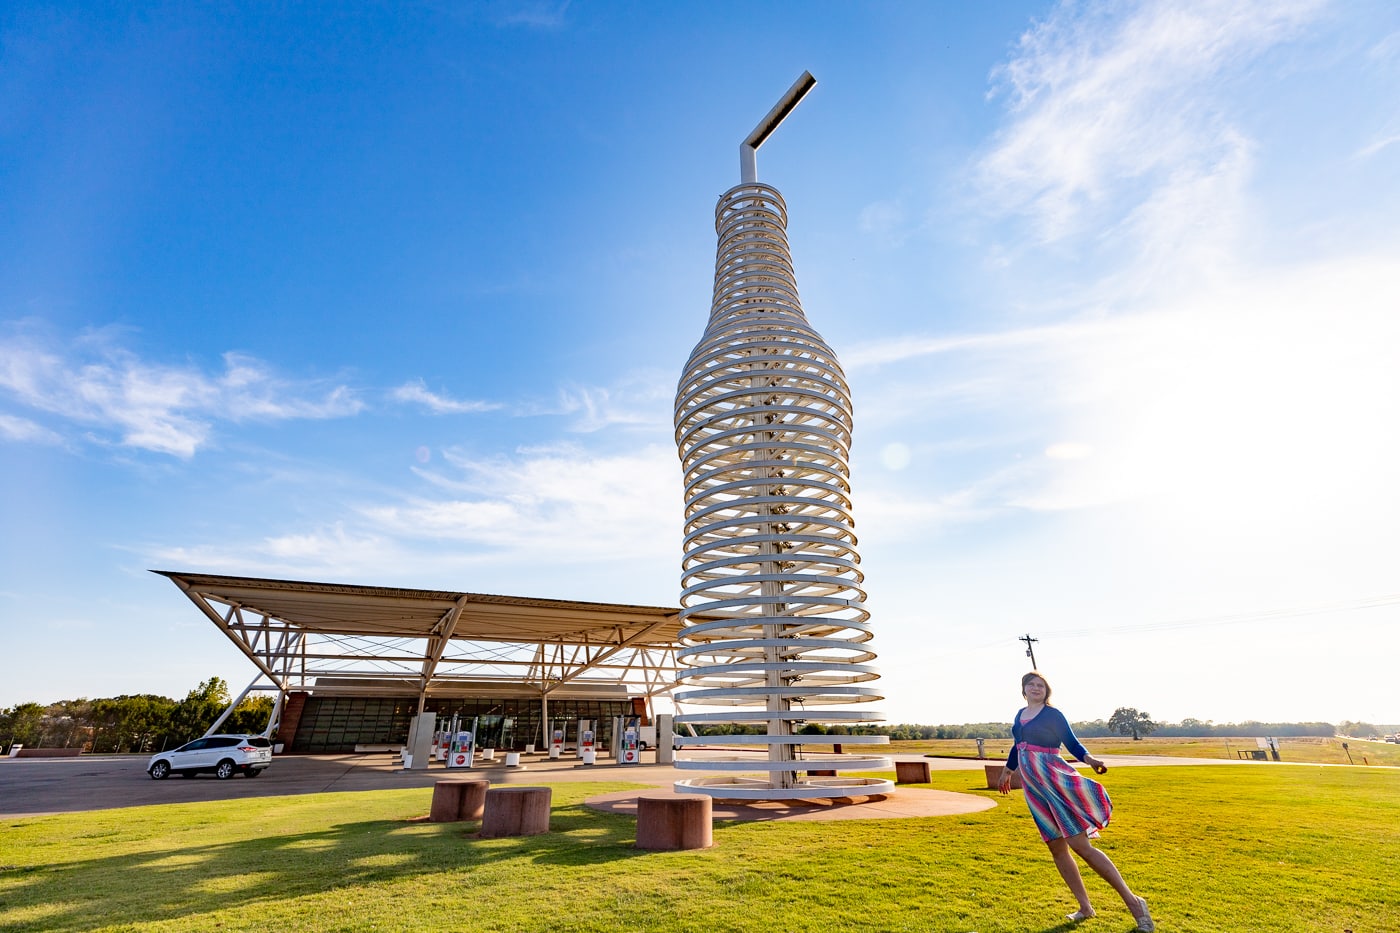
x,y
1293,848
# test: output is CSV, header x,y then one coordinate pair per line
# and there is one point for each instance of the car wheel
x,y
224,770
160,770
252,772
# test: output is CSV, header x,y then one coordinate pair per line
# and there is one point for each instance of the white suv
x,y
223,755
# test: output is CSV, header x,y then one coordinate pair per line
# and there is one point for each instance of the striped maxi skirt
x,y
1063,802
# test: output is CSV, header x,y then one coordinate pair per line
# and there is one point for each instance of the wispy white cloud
x,y
1387,49
22,429
531,14
561,511
641,400
327,550
417,392
912,346
1365,152
97,385
1108,106
887,221
561,501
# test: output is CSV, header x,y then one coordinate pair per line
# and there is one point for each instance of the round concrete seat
x,y
454,801
994,776
516,811
669,823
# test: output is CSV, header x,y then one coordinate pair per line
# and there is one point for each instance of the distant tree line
x,y
147,723
141,723
1121,723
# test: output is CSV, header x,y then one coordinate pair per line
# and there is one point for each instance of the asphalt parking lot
x,y
32,786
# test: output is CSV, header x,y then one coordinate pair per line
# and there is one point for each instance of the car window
x,y
223,742
258,741
194,746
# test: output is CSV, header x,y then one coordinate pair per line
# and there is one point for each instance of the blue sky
x,y
399,295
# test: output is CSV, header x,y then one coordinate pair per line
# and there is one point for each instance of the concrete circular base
x,y
739,788
909,803
749,763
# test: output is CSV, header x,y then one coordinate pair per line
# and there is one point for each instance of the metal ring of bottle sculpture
x,y
775,627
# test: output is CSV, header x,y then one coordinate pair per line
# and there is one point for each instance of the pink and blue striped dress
x,y
1062,801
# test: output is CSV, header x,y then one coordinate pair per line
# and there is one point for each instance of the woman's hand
x,y
1004,785
1098,766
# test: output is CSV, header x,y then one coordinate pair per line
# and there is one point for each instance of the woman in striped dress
x,y
1069,808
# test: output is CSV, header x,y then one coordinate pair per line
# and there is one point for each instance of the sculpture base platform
x,y
829,788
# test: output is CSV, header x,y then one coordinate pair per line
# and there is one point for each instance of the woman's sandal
x,y
1081,914
1145,923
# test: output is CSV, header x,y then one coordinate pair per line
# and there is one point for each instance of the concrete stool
x,y
454,801
994,776
911,772
668,823
516,811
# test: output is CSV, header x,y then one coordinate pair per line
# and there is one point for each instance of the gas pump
x,y
585,741
631,738
463,749
442,737
556,741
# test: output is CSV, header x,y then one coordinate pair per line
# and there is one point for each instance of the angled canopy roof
x,y
434,641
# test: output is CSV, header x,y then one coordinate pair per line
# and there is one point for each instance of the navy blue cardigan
x,y
1049,729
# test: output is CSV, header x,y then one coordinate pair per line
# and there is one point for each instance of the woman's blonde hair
x,y
1025,679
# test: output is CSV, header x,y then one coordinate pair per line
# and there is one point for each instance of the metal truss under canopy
x,y
346,640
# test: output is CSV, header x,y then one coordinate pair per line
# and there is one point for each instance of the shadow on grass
x,y
191,880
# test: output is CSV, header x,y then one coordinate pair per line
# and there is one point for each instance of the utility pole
x,y
1030,652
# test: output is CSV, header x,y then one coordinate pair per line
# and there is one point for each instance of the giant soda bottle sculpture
x,y
775,627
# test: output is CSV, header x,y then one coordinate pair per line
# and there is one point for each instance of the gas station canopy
x,y
348,640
